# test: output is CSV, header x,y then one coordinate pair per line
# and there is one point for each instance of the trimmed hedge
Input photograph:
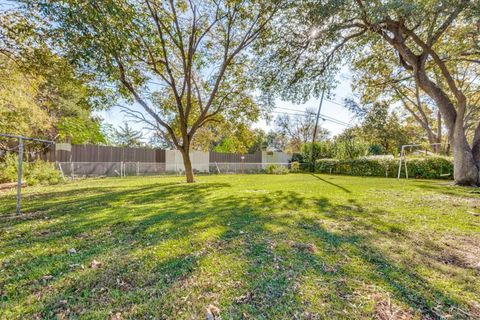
x,y
420,168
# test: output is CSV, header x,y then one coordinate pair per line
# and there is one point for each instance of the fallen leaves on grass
x,y
386,310
244,298
213,312
95,264
304,246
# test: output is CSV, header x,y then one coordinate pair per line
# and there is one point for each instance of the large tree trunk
x,y
188,165
465,169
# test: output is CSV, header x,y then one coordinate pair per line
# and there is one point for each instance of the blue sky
x,y
330,108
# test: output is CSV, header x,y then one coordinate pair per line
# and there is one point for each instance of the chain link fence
x,y
122,169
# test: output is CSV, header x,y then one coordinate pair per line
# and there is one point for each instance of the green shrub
x,y
424,168
276,169
295,166
352,148
317,150
37,172
41,172
8,168
430,168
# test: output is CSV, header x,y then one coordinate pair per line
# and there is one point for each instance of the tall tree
x,y
40,94
184,63
430,39
378,78
298,129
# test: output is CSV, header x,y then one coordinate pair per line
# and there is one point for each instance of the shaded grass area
x,y
255,246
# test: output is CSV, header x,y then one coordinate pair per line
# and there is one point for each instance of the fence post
x,y
20,165
72,168
138,169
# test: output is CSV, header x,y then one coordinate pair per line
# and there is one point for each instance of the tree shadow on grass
x,y
331,183
153,243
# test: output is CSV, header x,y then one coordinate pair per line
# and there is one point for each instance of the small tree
x,y
126,136
183,62
349,146
320,149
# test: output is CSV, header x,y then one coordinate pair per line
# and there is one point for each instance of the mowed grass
x,y
297,246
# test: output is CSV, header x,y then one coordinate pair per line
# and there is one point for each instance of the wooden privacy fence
x,y
92,160
235,157
96,153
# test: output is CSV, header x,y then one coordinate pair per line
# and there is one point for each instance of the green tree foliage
x,y
276,141
320,149
40,94
186,63
382,128
350,145
238,140
126,136
430,41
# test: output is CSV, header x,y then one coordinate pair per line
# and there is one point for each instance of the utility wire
x,y
323,117
302,113
335,102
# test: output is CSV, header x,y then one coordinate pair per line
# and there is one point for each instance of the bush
x,y
297,157
8,168
276,169
352,148
41,172
295,166
421,168
430,168
320,149
37,172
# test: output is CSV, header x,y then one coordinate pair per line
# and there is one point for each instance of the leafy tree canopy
x,y
41,95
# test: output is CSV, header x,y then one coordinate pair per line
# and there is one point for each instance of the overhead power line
x,y
308,114
335,102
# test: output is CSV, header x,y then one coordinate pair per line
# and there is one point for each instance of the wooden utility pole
x,y
315,132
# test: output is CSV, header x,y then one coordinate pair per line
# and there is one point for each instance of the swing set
x,y
403,158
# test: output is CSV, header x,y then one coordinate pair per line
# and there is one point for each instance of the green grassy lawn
x,y
298,246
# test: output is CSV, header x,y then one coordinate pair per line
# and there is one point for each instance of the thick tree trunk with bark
x,y
188,164
466,169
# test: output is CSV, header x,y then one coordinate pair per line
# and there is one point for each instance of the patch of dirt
x,y
475,310
386,310
304,246
455,201
459,251
4,187
462,251
23,216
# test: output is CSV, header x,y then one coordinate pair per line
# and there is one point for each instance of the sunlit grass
x,y
255,246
